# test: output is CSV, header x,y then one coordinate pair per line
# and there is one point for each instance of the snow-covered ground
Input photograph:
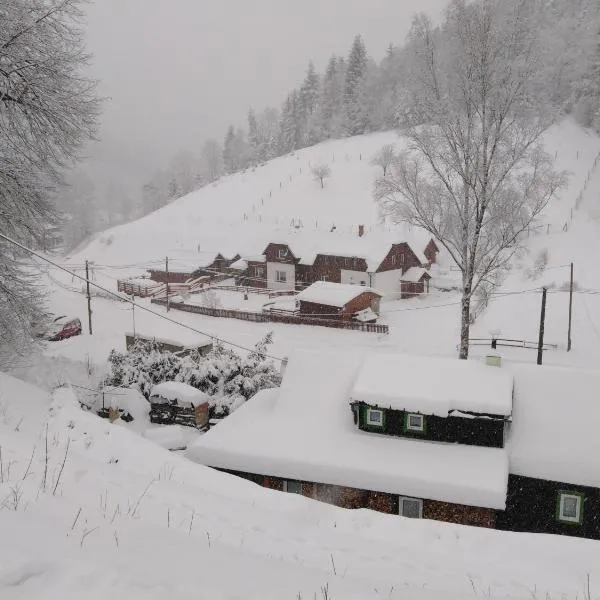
x,y
119,522
116,516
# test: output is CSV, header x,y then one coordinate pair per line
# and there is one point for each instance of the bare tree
x,y
320,173
47,111
384,157
474,173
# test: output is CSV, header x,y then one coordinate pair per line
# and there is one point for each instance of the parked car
x,y
61,328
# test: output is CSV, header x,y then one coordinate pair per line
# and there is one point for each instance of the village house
x,y
398,270
441,439
338,301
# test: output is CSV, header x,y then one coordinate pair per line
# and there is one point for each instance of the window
x,y
259,271
570,507
414,422
325,278
374,417
411,508
394,259
282,253
292,487
281,276
402,259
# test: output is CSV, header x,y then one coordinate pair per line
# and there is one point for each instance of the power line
x,y
132,302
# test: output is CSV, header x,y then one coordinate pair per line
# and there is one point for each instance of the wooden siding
x,y
531,506
160,275
400,256
431,251
272,254
361,302
409,289
487,432
459,514
354,498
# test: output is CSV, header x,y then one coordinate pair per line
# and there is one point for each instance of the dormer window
x,y
402,259
414,422
282,253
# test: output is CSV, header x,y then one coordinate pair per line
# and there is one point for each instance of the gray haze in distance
x,y
176,72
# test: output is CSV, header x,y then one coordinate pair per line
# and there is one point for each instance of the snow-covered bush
x,y
226,376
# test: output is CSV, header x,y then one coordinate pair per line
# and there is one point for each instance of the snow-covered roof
x,y
142,282
333,294
414,275
239,265
433,386
373,248
554,434
305,431
176,391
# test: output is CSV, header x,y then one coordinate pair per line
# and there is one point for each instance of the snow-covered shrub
x,y
226,376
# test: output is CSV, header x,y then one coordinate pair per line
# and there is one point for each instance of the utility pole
x,y
542,322
167,280
89,298
133,314
570,310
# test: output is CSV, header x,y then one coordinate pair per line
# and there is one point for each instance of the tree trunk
x,y
465,326
322,184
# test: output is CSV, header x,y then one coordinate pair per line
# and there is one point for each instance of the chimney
x,y
493,360
361,230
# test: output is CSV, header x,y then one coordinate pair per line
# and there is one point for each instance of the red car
x,y
62,328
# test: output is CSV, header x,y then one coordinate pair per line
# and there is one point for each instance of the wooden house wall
x,y
362,301
531,505
354,498
431,251
452,429
160,275
400,256
272,254
255,276
409,289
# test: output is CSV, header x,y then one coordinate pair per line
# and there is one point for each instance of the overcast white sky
x,y
177,72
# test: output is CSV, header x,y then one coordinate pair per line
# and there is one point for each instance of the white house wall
x,y
289,270
354,277
388,283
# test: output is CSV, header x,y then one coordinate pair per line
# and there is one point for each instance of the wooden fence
x,y
273,318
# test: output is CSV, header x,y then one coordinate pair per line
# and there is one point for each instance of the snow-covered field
x,y
130,520
115,516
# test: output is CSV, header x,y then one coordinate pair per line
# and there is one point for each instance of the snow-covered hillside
x,y
424,325
115,516
241,212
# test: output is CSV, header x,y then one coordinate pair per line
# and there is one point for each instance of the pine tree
x,y
254,137
330,106
229,151
290,131
308,105
355,117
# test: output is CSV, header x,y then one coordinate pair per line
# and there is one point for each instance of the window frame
x,y
370,423
402,499
560,497
408,428
282,253
278,275
286,483
324,277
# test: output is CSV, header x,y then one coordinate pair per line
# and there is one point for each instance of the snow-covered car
x,y
176,402
60,328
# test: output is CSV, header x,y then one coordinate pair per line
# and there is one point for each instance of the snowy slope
x,y
127,520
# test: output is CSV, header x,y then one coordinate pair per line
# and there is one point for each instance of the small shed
x,y
177,402
328,300
414,282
